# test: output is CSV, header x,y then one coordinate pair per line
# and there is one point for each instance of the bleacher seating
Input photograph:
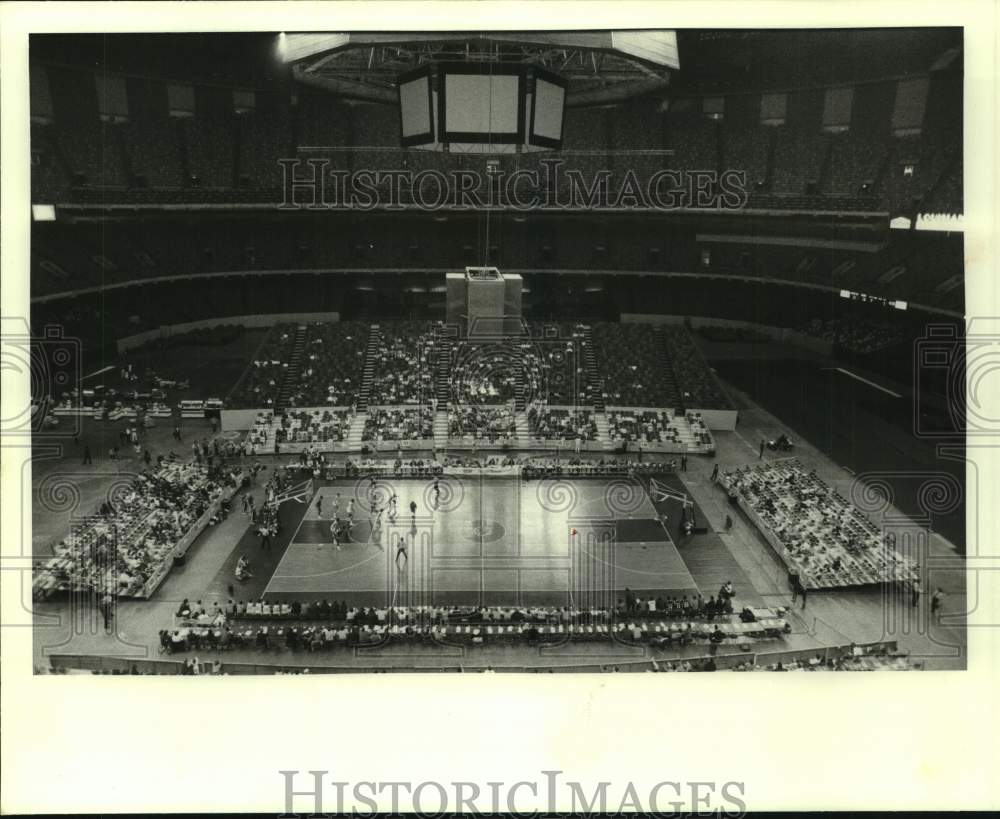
x,y
261,383
631,363
312,426
398,424
333,366
151,136
694,141
232,157
404,366
700,388
648,427
553,424
125,549
470,423
558,349
488,373
799,145
826,540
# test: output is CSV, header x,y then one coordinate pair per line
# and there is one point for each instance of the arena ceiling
x,y
602,67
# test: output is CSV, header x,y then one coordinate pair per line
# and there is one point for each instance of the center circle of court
x,y
489,531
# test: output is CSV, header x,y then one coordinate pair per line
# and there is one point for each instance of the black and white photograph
x,y
576,350
528,351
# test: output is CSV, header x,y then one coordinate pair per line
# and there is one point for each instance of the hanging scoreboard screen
x,y
416,107
481,108
481,103
548,105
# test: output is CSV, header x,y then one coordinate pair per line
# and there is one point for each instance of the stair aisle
x,y
441,429
356,430
368,376
522,428
443,363
675,397
603,430
595,384
292,372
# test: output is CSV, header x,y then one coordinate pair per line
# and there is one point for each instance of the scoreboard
x,y
481,108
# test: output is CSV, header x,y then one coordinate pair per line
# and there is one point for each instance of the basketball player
x,y
401,550
336,505
319,507
333,534
413,509
437,493
392,507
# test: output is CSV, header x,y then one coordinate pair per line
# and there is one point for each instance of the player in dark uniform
x,y
413,509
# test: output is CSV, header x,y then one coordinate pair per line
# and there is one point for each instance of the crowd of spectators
x,y
826,541
649,427
131,538
312,427
486,373
703,440
471,423
556,351
398,424
324,624
404,364
862,662
551,424
541,467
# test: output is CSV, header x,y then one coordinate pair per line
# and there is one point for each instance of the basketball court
x,y
482,541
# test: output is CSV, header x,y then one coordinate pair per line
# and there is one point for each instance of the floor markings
x,y
857,377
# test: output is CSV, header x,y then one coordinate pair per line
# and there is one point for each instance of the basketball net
x,y
662,493
298,493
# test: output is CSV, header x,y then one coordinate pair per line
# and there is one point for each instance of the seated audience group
x,y
562,424
398,424
404,364
826,540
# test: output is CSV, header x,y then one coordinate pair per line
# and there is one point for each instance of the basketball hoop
x,y
662,493
299,493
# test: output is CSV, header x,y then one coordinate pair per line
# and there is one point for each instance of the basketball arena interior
x,y
602,351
